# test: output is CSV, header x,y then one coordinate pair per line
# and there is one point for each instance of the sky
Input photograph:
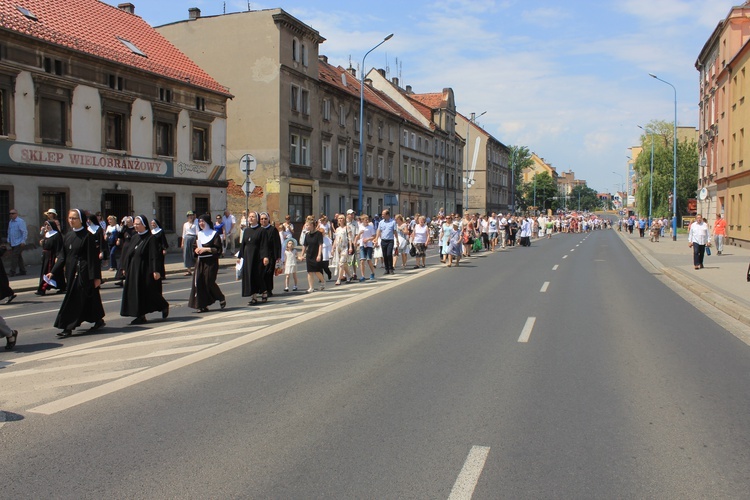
x,y
569,80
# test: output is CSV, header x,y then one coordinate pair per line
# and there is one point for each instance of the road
x,y
564,370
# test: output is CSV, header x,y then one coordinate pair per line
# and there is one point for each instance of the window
x,y
305,102
342,204
5,210
406,138
53,120
295,50
390,134
326,156
116,82
6,106
342,116
381,163
413,173
380,131
304,151
200,143
304,55
427,176
327,110
355,164
165,211
294,149
131,46
342,159
115,131
405,174
165,95
326,208
390,169
200,103
53,66
295,98
369,165
369,129
419,176
356,123
413,140
164,141
201,204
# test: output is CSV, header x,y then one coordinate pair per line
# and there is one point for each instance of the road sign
x,y
248,187
248,164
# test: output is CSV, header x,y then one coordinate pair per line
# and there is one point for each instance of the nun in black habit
x,y
162,243
83,273
273,244
205,291
142,293
255,257
52,244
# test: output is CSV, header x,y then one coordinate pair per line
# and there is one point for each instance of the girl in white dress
x,y
289,260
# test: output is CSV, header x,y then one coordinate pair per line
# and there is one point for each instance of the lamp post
x,y
362,116
674,159
473,119
651,178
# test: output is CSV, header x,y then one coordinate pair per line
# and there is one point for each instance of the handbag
x,y
708,250
412,250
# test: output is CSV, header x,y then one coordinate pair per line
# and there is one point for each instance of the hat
x,y
190,212
349,212
51,211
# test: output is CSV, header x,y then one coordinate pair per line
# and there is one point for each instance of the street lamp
x,y
473,119
651,178
674,159
361,117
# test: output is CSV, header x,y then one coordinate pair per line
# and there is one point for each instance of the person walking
x,y
83,274
17,235
144,268
343,248
697,240
190,231
161,243
52,244
388,236
420,238
720,232
254,257
272,242
352,229
5,290
230,232
10,334
364,238
111,234
204,290
313,254
290,263
123,243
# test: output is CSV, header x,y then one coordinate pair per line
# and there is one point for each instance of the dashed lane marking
x,y
466,483
526,332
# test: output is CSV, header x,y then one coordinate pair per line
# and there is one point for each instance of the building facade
x,y
486,169
724,179
113,120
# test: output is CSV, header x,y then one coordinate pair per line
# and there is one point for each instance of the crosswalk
x,y
49,382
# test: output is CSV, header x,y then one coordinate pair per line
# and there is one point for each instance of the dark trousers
x,y
387,247
16,260
698,253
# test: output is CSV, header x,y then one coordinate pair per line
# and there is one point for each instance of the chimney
x,y
127,7
323,58
395,81
194,13
368,82
352,71
382,72
408,89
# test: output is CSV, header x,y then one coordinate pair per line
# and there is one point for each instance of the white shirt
x,y
698,233
366,232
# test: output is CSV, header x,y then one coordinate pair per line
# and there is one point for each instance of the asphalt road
x,y
564,370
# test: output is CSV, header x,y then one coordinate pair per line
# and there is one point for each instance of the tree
x,y
663,176
584,198
520,158
541,188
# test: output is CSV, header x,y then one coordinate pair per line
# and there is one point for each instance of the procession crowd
x,y
347,248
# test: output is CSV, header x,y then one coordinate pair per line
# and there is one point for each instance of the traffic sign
x,y
248,164
248,187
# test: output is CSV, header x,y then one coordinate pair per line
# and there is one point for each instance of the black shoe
x,y
11,341
119,283
165,312
99,324
65,334
139,320
22,273
11,274
10,299
223,304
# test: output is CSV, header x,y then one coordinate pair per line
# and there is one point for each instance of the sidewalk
x,y
173,265
722,283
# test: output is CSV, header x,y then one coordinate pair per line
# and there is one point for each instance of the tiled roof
x,y
331,75
432,100
96,28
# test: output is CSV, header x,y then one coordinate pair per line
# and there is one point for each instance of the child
x,y
289,259
327,248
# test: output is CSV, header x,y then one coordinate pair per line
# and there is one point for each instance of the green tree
x,y
663,173
584,197
520,158
541,188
